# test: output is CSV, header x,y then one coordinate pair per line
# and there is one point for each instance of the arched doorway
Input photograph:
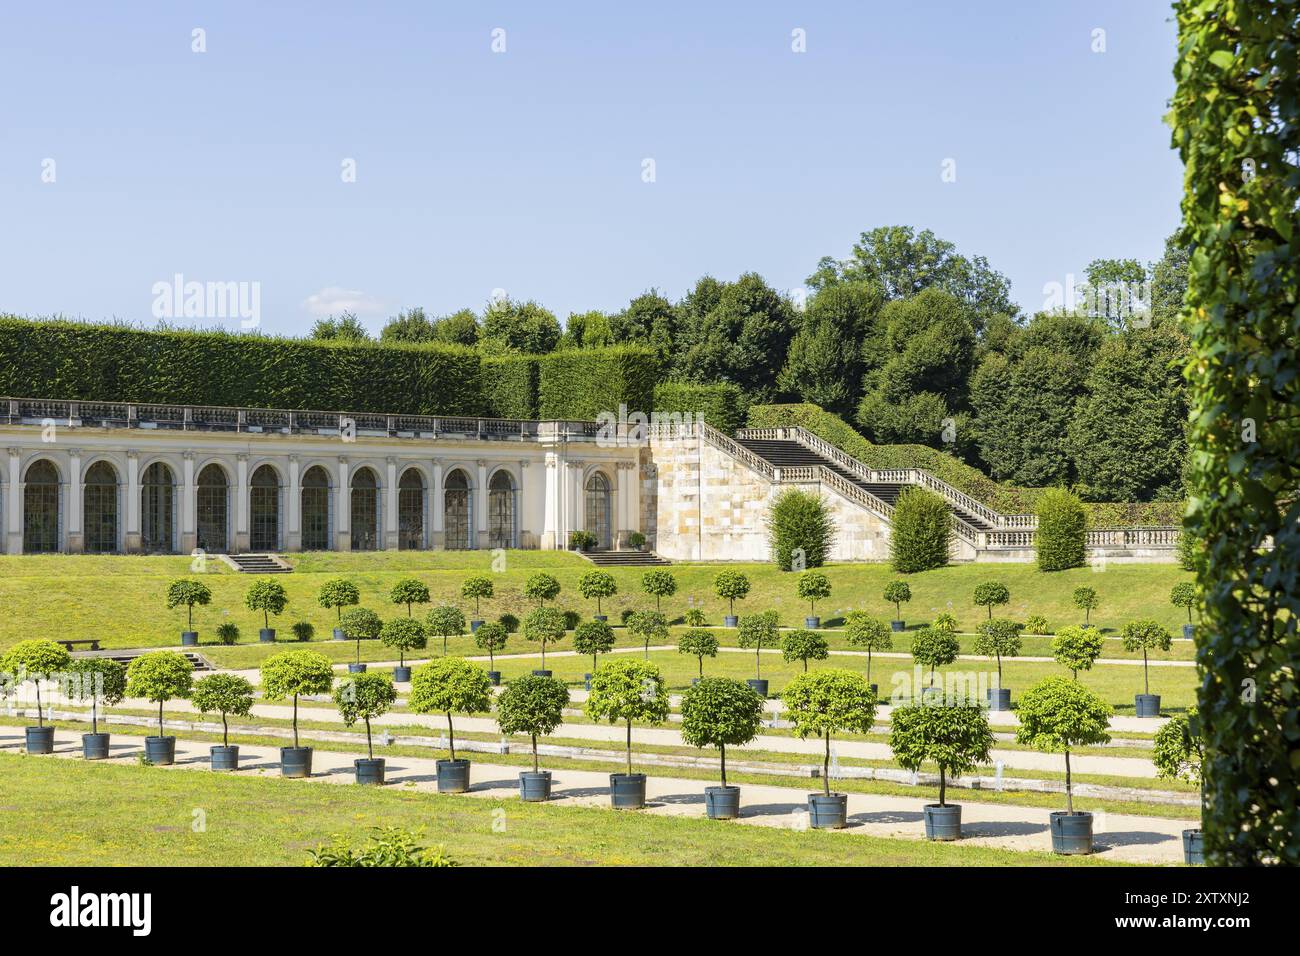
x,y
264,510
457,511
213,505
410,511
365,510
42,508
100,509
501,510
598,508
158,509
316,510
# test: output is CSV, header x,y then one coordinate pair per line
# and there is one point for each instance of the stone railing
x,y
1151,537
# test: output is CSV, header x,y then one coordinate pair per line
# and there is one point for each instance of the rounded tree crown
x,y
898,592
188,592
95,678
648,625
445,620
477,586
863,630
223,693
532,705
597,584
731,584
1145,634
593,637
1059,713
813,586
933,648
404,633
266,595
659,583
829,701
803,645
409,591
292,673
1076,647
491,636
544,624
720,711
37,658
361,624
541,587
759,630
698,642
450,685
159,676
991,594
364,696
628,689
956,737
339,592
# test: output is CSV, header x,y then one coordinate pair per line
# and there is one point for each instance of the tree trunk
x,y
160,719
701,665
647,648
629,748
225,731
295,721
451,737
826,766
999,670
1069,793
370,749
358,650
492,660
868,665
805,665
534,753
593,663
722,758
543,653
758,661
943,785
40,711
94,716
1146,681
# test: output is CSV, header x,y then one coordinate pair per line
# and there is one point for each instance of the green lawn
x,y
120,599
146,816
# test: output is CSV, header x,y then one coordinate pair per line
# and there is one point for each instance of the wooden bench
x,y
72,645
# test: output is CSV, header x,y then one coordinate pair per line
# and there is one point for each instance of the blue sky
x,y
523,170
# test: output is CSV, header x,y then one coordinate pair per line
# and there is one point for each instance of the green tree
x,y
404,634
934,648
338,594
648,626
800,527
898,593
266,596
294,674
991,594
628,690
597,584
593,637
523,327
361,624
541,587
544,625
998,638
159,676
1169,279
759,631
345,328
532,705
699,643
828,702
459,328
659,584
1076,648
96,679
813,586
718,712
492,641
587,330
409,591
364,697
731,585
804,646
862,630
1183,594
1060,541
445,620
228,694
478,586
1145,635
451,685
920,536
189,593
1086,600
410,327
35,661
955,737
1059,714
649,319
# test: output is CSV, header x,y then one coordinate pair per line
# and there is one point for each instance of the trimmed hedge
x,y
510,386
579,384
720,404
1007,499
922,531
95,362
1061,539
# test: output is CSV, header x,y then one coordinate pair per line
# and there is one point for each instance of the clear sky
x,y
523,170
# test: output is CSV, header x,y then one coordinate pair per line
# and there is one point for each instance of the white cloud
x,y
333,300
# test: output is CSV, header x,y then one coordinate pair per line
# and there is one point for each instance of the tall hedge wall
x,y
582,383
74,360
721,403
510,386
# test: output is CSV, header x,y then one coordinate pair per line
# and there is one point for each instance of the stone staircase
x,y
125,657
625,559
259,564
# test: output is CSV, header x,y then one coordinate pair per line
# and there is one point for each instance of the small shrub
x,y
945,622
509,622
813,586
1060,542
636,540
582,540
1036,624
800,530
227,632
921,534
695,617
302,630
388,846
571,619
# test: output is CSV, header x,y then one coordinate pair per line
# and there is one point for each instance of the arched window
x,y
42,508
99,516
213,510
365,510
316,510
457,510
410,511
597,510
264,510
158,509
501,510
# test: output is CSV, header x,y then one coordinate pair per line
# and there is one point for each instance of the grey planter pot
x,y
730,620
495,678
94,746
1193,847
1148,705
722,803
586,682
340,634
189,638
1189,631
875,691
356,668
535,787
160,751
453,776
694,681
295,762
927,692
40,740
603,618
370,771
225,758
627,791
1087,627
828,813
897,626
758,686
942,823
402,675
1071,833
541,673
266,635
812,623
999,698
474,626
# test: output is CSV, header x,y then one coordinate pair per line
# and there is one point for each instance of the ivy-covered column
x,y
1235,116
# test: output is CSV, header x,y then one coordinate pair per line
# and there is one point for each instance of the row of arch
x,y
102,519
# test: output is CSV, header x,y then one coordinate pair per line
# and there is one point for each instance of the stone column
x,y
343,511
242,504
437,538
76,538
551,501
189,504
294,509
133,529
390,507
14,504
623,493
525,537
481,506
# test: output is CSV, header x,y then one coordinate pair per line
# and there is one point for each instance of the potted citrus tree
x,y
991,594
364,697
409,591
1076,648
998,638
99,680
403,634
593,637
648,626
805,646
597,584
1146,635
659,584
1178,754
699,643
541,587
1085,599
759,631
863,630
160,676
934,648
477,586
335,595
1183,594
451,685
732,586
361,624
37,661
532,705
630,691
544,625
492,637
228,695
295,674
956,737
827,702
445,620
721,712
270,598
188,592
636,541
1058,715
813,586
898,593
